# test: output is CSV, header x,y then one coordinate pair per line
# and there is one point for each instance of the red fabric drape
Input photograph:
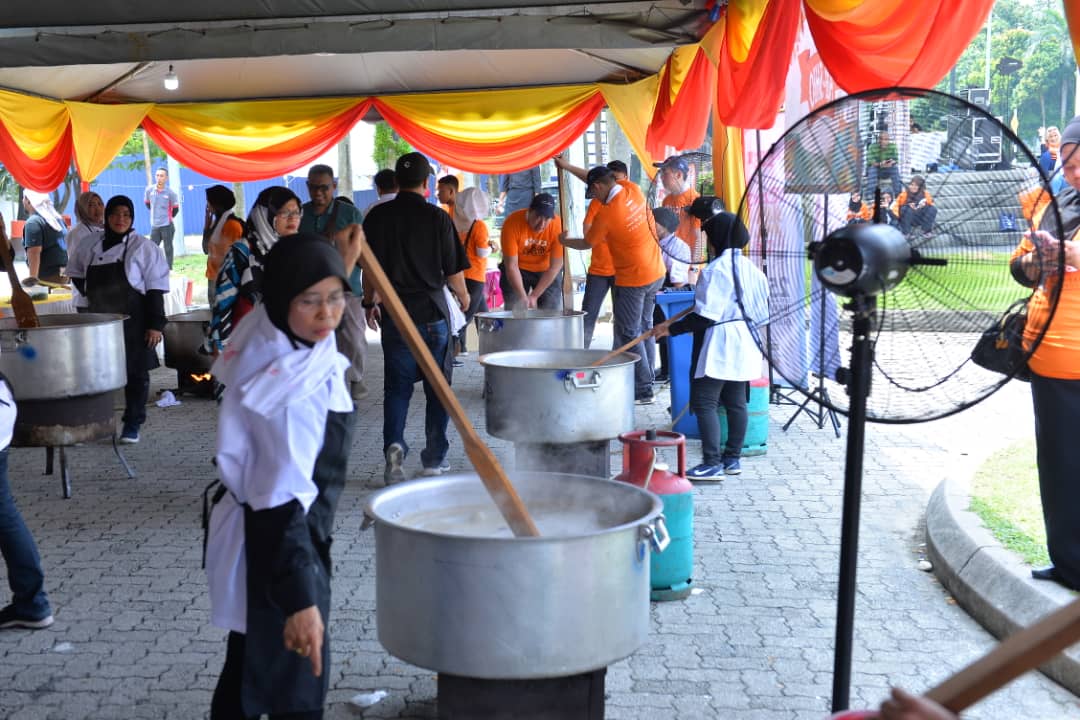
x,y
43,175
900,45
750,93
682,123
270,162
526,151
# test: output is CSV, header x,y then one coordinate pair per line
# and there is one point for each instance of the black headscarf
x,y
921,193
295,263
725,230
113,238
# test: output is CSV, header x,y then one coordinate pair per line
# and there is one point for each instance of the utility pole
x,y
344,154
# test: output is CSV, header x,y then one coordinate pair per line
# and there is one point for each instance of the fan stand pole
x,y
820,394
858,384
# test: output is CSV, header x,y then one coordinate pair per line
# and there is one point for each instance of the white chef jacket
x,y
730,351
144,264
270,432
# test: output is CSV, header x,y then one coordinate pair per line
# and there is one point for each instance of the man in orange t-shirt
x,y
675,178
624,223
532,256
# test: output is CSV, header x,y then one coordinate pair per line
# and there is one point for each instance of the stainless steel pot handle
x,y
582,380
657,534
12,342
488,324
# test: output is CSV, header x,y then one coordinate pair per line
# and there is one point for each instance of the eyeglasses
x,y
324,187
290,214
311,302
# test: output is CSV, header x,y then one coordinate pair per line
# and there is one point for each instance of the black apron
x,y
108,291
277,680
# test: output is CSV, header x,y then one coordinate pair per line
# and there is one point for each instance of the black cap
x,y
1071,134
618,166
544,205
705,207
600,172
666,217
412,169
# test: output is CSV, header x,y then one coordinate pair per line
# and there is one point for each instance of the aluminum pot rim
x,y
530,314
60,321
371,513
505,358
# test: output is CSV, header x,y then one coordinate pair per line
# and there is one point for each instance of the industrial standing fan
x,y
910,302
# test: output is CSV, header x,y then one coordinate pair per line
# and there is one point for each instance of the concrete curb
x,y
993,585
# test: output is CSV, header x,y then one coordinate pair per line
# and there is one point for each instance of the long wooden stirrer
x,y
21,304
1014,656
491,472
642,337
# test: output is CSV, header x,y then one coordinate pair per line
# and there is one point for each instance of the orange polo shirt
x,y
600,262
477,237
689,230
624,223
534,251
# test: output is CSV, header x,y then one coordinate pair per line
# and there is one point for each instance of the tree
x,y
133,148
388,147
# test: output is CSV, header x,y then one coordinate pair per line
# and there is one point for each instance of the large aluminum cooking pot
x,y
523,330
455,592
68,356
556,396
184,333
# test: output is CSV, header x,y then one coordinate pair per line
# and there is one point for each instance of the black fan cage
x,y
926,327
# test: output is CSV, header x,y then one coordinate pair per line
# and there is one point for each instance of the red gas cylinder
x,y
643,449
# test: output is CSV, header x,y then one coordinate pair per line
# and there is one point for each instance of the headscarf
x,y
471,205
220,198
915,197
295,263
260,225
82,207
43,206
112,237
725,230
854,205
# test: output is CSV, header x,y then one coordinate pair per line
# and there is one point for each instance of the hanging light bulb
x,y
171,81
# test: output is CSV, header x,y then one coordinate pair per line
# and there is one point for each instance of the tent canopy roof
x,y
119,51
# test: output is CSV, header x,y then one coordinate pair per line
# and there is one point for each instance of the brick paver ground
x,y
131,638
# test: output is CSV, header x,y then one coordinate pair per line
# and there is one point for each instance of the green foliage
x,y
388,147
133,148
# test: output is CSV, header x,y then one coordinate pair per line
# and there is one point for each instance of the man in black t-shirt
x,y
417,246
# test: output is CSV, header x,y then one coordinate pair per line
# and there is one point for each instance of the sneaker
x,y
10,619
646,400
706,472
457,363
129,435
444,466
662,379
731,466
395,456
463,353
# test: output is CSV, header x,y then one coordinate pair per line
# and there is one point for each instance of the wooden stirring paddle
x,y
491,472
21,304
642,337
1022,651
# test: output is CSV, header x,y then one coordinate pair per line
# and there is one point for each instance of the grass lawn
x,y
967,282
1005,495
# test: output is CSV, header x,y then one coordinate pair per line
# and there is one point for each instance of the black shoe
x,y
1051,573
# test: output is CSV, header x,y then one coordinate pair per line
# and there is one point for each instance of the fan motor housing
x,y
862,260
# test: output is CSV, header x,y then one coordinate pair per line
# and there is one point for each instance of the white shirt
x,y
81,240
7,415
676,255
730,351
144,264
270,431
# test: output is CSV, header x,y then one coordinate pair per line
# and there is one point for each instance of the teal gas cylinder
x,y
645,465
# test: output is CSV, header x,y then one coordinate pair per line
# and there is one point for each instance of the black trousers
x,y
226,702
1057,415
477,303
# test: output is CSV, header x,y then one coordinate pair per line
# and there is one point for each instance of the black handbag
x,y
1001,346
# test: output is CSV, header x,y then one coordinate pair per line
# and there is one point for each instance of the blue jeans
x,y
596,289
25,578
633,311
706,396
400,373
892,174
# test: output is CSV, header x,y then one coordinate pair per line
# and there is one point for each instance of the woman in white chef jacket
x,y
730,303
284,431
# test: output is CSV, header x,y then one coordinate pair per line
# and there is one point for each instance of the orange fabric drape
x,y
274,160
508,155
751,76
1072,17
44,174
869,44
681,116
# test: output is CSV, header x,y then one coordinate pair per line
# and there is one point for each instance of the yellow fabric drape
x,y
729,169
98,133
491,116
245,127
742,22
35,125
632,107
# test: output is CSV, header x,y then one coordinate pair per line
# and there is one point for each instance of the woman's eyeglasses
x,y
290,214
311,302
